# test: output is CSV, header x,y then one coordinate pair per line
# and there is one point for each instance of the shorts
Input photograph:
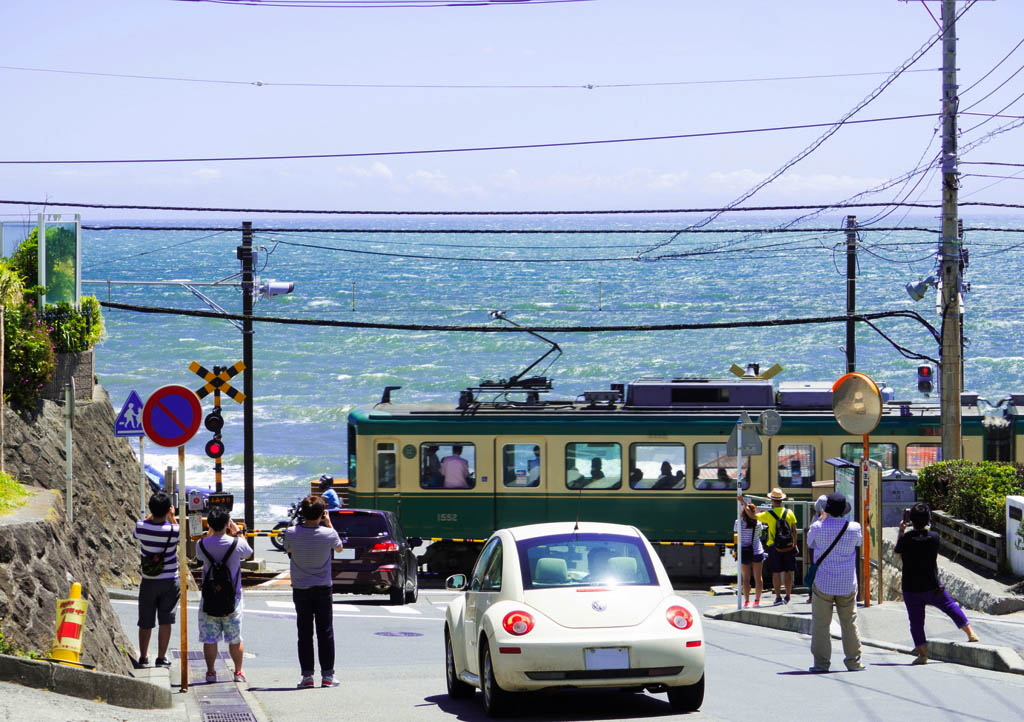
x,y
213,629
747,556
158,601
781,561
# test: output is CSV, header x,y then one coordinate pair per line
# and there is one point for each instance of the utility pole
x,y
851,293
244,253
951,378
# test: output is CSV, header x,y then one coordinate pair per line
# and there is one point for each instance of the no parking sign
x,y
171,415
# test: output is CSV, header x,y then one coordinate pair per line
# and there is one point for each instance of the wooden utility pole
x,y
851,293
951,352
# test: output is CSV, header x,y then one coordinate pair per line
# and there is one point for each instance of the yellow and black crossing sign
x,y
218,381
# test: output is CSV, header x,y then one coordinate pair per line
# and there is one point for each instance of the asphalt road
x,y
390,661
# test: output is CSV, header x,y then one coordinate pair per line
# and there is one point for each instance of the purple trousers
x,y
917,601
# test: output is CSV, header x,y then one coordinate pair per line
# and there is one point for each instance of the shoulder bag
x,y
812,570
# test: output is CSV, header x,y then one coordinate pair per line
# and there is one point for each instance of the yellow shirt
x,y
770,517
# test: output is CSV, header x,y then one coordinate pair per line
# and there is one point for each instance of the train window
x,y
657,466
796,465
715,470
920,455
385,465
593,466
885,454
520,464
447,466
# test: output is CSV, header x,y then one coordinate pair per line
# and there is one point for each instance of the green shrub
x,y
29,358
974,491
12,494
25,260
73,330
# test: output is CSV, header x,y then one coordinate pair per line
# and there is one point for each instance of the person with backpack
x,y
310,546
220,610
158,591
781,545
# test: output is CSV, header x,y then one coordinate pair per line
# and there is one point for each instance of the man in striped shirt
x,y
835,584
159,591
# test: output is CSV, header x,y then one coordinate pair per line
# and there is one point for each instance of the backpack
x,y
218,586
153,564
783,533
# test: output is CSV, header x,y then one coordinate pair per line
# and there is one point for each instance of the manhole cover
x,y
398,634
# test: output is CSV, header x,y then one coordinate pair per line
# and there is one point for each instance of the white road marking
x,y
280,605
402,610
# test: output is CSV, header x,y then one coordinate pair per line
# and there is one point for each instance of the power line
x,y
501,231
381,3
448,86
474,149
992,70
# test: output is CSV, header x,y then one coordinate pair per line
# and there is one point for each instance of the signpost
x,y
746,439
857,405
217,381
171,416
129,423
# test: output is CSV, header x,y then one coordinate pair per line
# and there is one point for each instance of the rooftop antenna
x,y
518,379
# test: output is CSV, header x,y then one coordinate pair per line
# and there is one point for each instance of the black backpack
x,y
218,586
783,533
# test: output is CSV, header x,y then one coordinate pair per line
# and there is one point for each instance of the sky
x,y
664,51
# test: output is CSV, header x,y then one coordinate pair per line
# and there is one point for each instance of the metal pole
x,y
245,256
866,491
739,512
952,359
142,475
183,572
218,466
851,292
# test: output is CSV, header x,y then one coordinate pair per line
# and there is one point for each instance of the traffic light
x,y
214,421
215,447
925,380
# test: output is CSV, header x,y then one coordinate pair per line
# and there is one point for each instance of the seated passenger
x,y
635,477
430,476
668,480
455,470
595,469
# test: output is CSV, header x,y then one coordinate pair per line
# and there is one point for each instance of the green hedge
x,y
29,359
974,491
74,329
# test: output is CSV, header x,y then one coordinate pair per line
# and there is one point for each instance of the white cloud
x,y
374,171
207,174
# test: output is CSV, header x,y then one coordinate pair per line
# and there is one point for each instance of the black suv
x,y
377,557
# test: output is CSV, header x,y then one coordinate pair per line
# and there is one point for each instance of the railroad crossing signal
x,y
218,381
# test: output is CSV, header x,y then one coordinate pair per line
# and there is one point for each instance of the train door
x,y
520,481
387,493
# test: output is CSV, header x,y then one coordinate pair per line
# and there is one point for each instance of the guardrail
x,y
962,538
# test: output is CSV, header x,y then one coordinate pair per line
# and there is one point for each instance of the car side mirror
x,y
455,583
415,541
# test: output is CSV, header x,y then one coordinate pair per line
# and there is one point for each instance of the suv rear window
x,y
359,524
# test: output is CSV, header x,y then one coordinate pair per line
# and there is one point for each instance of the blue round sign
x,y
171,415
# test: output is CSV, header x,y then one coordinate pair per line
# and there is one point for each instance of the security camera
x,y
271,288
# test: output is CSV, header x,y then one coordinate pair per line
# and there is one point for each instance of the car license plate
x,y
606,658
345,554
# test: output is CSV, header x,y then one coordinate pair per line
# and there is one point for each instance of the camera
x,y
906,516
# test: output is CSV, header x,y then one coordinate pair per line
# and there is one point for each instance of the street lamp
x,y
917,290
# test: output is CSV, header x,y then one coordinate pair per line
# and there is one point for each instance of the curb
x,y
85,683
982,656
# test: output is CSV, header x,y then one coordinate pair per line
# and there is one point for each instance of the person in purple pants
x,y
920,549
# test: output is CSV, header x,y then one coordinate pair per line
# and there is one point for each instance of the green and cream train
x,y
652,453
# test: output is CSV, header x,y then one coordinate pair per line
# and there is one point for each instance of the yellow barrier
x,y
67,648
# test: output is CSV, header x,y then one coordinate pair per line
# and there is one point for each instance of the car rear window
x,y
578,560
359,524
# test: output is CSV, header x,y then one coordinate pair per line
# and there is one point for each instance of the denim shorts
x,y
229,628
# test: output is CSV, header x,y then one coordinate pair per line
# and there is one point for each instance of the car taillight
x,y
384,547
517,623
679,617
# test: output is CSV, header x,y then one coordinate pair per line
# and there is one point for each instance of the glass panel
x,y
60,263
657,466
796,465
359,524
491,581
715,470
481,563
584,559
386,466
885,454
520,465
846,478
447,466
920,455
593,466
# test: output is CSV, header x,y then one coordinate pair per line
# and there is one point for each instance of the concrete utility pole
x,y
244,253
951,377
851,293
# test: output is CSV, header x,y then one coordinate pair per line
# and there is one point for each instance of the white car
x,y
571,605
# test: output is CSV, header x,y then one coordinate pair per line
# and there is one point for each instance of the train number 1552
x,y
447,517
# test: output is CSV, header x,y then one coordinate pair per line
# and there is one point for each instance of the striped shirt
x,y
152,539
750,537
838,573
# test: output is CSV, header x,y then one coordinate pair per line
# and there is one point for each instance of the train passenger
x,y
919,550
158,591
782,546
596,472
668,480
835,541
455,470
533,468
431,478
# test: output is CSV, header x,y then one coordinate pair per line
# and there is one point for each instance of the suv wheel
x,y
398,592
412,595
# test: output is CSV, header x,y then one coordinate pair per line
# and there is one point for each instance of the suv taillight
x,y
679,617
384,547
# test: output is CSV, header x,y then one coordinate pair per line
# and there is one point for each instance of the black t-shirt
x,y
920,549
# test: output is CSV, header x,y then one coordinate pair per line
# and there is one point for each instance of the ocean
x,y
307,379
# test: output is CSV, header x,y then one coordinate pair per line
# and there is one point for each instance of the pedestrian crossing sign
x,y
129,421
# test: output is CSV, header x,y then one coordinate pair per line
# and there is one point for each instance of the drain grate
x,y
224,716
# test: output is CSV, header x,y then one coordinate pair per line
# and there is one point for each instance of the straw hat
x,y
777,494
